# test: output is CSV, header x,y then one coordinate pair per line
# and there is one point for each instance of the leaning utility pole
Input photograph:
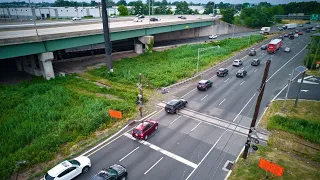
x,y
106,34
256,111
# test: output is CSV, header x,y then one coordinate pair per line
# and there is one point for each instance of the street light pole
x,y
315,55
34,21
106,34
149,11
289,84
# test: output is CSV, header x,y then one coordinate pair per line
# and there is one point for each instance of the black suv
x,y
115,172
153,19
222,72
174,105
255,62
241,73
204,84
264,47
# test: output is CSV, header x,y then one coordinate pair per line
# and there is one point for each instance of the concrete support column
x,y
32,62
19,64
33,11
138,46
46,65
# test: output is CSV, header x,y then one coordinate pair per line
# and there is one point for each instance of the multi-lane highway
x,y
198,142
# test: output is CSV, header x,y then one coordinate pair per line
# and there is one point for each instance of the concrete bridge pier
x,y
45,62
148,41
39,65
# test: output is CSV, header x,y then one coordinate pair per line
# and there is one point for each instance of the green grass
x,y
167,67
38,117
310,130
313,72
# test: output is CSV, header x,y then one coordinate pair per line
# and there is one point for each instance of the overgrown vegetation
x,y
38,117
312,46
164,68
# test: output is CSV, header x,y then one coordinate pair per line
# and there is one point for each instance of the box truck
x,y
274,45
265,30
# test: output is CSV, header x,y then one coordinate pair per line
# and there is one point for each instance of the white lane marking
x,y
150,115
188,93
226,80
242,67
262,54
286,63
242,82
165,152
206,155
153,166
244,57
213,77
175,120
196,126
284,87
244,107
255,71
129,154
222,101
204,97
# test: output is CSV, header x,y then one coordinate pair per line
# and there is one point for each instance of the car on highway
x,y
300,25
113,16
214,36
291,37
286,35
114,172
137,20
153,19
255,62
252,52
280,37
175,105
204,85
264,47
300,33
308,22
280,28
145,129
141,16
241,73
287,49
69,169
291,33
222,72
76,18
308,30
317,26
313,29
211,15
296,35
183,17
296,31
237,62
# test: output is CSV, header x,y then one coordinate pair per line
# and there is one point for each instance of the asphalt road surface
x,y
310,88
198,142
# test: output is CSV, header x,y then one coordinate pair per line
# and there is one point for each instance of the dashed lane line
x,y
153,166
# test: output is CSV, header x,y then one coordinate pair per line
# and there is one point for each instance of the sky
x,y
197,1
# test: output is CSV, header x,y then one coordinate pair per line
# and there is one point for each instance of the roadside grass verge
x,y
293,143
294,168
161,69
38,117
313,72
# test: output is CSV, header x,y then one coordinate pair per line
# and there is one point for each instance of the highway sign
x,y
315,17
301,69
114,113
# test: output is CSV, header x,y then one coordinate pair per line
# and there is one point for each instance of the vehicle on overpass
x,y
76,18
115,171
265,30
274,45
137,20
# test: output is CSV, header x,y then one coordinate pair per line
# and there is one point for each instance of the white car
x,y
296,35
214,36
159,19
287,49
137,20
237,62
69,169
76,18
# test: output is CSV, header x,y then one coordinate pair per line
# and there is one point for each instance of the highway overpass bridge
x,y
33,50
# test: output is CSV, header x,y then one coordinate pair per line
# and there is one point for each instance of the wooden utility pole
x,y
256,111
140,96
